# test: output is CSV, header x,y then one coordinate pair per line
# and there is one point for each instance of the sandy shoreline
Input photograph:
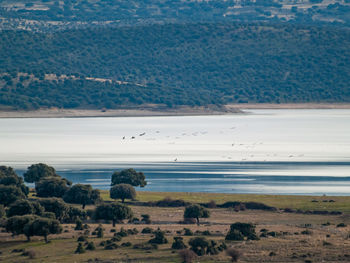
x,y
154,111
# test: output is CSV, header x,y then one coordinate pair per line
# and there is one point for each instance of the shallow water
x,y
266,151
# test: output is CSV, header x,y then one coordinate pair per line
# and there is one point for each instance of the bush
x,y
159,238
168,202
81,239
199,245
111,246
233,253
80,249
206,233
91,246
240,230
127,244
211,204
147,230
178,243
78,225
188,232
187,255
341,225
146,219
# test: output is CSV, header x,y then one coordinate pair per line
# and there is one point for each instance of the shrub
x,y
80,249
187,255
168,202
122,232
306,232
240,230
188,232
91,246
206,233
81,239
159,238
178,243
146,219
111,246
199,245
147,230
211,204
233,253
127,244
341,225
78,225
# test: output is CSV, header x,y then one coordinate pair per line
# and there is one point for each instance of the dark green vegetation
x,y
174,64
75,13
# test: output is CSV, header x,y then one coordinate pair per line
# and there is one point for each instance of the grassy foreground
x,y
302,202
295,237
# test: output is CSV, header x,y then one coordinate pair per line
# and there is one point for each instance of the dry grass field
x,y
320,243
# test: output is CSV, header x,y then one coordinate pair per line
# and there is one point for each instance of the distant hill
x,y
174,64
48,15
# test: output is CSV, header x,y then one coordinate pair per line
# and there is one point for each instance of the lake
x,y
263,151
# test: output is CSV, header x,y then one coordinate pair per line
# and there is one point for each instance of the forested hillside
x,y
175,64
48,15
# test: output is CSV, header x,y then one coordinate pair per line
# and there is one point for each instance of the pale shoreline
x,y
155,111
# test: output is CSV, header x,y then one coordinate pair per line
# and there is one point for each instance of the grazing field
x,y
293,237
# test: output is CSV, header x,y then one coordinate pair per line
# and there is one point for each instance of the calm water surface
x,y
266,151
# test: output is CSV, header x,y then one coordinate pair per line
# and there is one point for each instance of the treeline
x,y
160,11
176,64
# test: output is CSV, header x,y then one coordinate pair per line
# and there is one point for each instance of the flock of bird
x,y
249,156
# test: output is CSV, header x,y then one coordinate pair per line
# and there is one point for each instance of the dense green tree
x,y
35,172
51,187
8,176
122,191
196,211
129,176
82,194
24,207
9,194
16,225
42,227
56,206
113,211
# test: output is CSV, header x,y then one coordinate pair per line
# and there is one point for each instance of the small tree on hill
x,y
122,191
82,194
129,176
51,187
37,171
113,211
196,211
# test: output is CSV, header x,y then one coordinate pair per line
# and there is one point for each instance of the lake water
x,y
265,151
